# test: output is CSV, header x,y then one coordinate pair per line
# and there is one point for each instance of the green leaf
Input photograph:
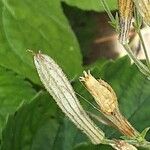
x,y
13,92
85,146
39,26
95,5
96,147
8,57
39,126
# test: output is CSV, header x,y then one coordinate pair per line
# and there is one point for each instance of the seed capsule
x,y
126,14
143,6
60,88
102,92
106,99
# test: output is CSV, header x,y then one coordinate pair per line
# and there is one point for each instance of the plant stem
x,y
108,11
139,64
144,48
144,144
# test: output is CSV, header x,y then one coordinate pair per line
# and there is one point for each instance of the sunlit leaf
x,y
38,26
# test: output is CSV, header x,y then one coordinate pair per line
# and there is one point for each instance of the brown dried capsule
x,y
106,99
102,92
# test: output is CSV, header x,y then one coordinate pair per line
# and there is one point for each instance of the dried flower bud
x,y
60,88
102,93
106,99
126,15
143,6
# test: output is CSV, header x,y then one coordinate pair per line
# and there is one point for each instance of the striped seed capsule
x,y
57,84
143,6
125,14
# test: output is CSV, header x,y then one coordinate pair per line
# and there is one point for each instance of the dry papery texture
x,y
143,7
106,99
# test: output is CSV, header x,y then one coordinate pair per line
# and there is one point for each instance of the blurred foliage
x,y
29,118
95,5
84,25
37,126
39,26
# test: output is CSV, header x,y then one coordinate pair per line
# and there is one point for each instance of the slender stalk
x,y
139,64
145,144
111,17
144,48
